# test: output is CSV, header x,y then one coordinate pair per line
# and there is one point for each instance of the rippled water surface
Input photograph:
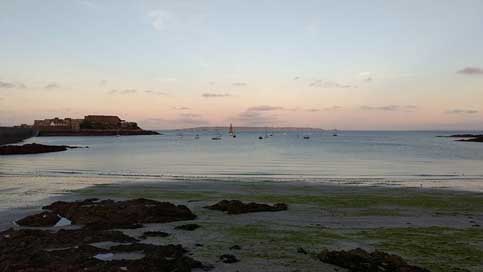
x,y
397,158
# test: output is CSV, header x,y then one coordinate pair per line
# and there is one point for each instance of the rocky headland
x,y
32,149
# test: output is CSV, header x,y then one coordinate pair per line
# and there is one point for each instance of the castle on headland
x,y
91,125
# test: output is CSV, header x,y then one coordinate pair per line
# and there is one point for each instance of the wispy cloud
x,y
239,84
296,78
332,108
123,92
461,111
215,95
405,108
256,118
52,86
366,76
471,71
103,82
328,84
181,108
265,108
155,92
159,19
7,85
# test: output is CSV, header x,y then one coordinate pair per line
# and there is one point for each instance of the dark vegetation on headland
x,y
73,249
32,149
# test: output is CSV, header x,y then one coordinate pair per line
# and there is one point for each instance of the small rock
x,y
154,234
238,207
301,250
189,227
44,219
235,247
228,258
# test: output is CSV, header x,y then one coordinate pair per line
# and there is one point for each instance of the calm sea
x,y
353,157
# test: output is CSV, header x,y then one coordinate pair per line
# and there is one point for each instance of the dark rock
x,y
359,260
228,258
154,234
235,247
189,227
238,207
109,214
32,149
478,139
69,250
44,219
301,250
464,135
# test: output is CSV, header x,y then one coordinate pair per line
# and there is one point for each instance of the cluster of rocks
x,y
359,260
71,250
32,149
238,207
110,214
40,250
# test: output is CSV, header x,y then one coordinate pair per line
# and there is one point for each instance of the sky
x,y
389,65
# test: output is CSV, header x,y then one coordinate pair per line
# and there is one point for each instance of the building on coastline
x,y
90,125
57,124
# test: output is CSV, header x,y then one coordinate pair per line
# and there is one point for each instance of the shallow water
x,y
355,157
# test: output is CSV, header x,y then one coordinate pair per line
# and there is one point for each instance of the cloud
x,y
471,71
190,115
312,110
7,85
215,95
366,76
181,108
265,108
405,108
155,92
256,118
159,19
103,82
328,84
332,108
52,86
239,84
87,3
123,92
461,111
296,78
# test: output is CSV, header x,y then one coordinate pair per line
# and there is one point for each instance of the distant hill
x,y
250,129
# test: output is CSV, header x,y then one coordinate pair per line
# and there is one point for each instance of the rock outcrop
x,y
238,207
32,149
359,260
109,214
70,250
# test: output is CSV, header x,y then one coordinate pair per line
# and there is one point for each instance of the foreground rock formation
x,y
238,207
109,214
359,260
71,250
32,149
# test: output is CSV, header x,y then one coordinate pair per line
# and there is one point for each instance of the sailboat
x,y
231,131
